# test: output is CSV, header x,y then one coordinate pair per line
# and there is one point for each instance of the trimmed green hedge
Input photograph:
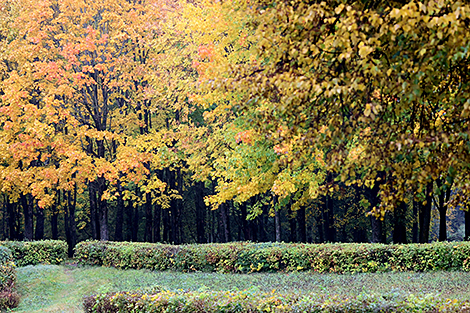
x,y
37,252
246,301
243,257
8,297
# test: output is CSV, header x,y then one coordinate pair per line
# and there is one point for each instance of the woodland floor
x,y
51,288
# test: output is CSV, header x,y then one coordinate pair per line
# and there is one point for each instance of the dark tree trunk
x,y
277,225
27,203
223,229
293,227
135,222
129,213
244,222
319,222
102,210
329,219
39,231
302,224
157,221
14,232
377,229
415,229
4,221
148,235
174,208
253,230
166,225
443,197
263,236
118,236
200,212
399,221
425,215
95,234
467,224
55,219
443,224
70,223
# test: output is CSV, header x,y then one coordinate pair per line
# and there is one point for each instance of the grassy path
x,y
51,288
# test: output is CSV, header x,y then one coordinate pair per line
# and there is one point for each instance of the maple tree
x,y
80,99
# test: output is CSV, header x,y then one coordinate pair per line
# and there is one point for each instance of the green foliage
x,y
5,255
249,301
35,252
8,297
242,257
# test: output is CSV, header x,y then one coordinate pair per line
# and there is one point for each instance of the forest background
x,y
214,121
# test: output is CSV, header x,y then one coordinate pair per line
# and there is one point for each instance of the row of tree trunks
x,y
254,230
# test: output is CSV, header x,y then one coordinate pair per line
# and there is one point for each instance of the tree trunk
x,y
319,222
425,215
129,214
293,227
377,229
223,230
174,208
157,221
263,236
118,236
200,212
135,223
444,196
70,223
148,235
39,231
54,219
277,225
95,234
415,229
302,224
102,210
244,221
399,220
12,220
329,219
26,201
467,224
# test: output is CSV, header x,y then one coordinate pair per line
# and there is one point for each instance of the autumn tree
x,y
83,77
389,78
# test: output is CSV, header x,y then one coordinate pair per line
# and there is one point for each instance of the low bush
x,y
37,252
246,301
9,298
243,257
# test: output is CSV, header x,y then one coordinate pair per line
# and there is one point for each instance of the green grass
x,y
52,288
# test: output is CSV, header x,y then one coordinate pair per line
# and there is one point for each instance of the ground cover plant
x,y
61,288
245,257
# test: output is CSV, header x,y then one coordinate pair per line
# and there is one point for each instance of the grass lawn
x,y
52,288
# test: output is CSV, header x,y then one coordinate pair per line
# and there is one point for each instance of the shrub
x,y
37,252
246,257
8,296
247,301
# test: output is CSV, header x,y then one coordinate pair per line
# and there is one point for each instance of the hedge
x,y
37,252
246,301
9,298
243,257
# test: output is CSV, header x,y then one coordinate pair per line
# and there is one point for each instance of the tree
x,y
82,82
389,78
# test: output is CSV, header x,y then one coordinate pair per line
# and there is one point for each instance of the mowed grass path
x,y
50,288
